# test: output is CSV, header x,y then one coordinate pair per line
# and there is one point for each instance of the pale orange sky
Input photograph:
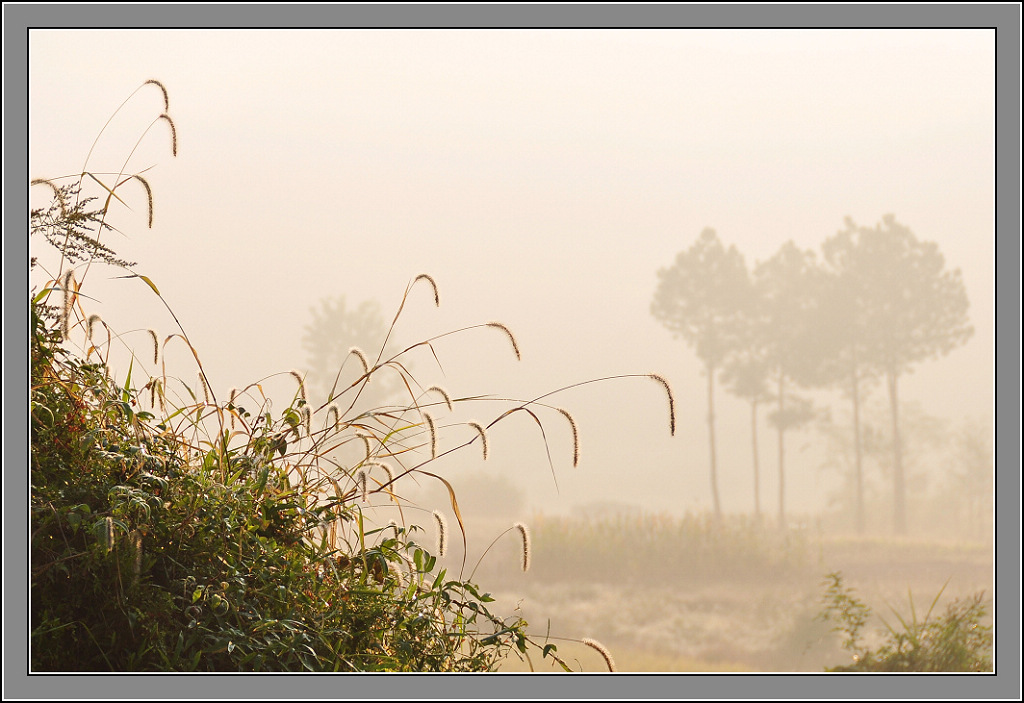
x,y
542,178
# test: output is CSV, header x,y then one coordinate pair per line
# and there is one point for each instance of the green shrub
x,y
957,641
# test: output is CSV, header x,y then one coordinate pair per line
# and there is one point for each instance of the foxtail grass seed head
x,y
137,549
174,133
511,337
332,409
524,533
149,197
362,482
395,567
358,353
156,347
206,389
433,434
158,84
483,436
108,533
594,644
442,533
671,402
91,324
302,384
386,468
575,437
444,394
68,285
306,413
433,284
231,401
366,441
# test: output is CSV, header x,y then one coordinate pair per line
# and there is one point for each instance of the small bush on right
x,y
960,640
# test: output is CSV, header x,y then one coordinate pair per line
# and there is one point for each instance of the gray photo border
x,y
1004,19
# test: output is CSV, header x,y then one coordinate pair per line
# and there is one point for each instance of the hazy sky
x,y
542,178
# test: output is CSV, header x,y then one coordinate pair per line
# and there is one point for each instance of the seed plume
x,y
387,469
206,389
433,284
108,533
524,533
69,300
395,567
158,84
594,644
149,197
483,435
444,394
174,133
575,436
231,401
366,441
362,359
137,550
511,338
91,323
156,346
433,434
671,402
442,533
302,384
306,413
362,482
332,409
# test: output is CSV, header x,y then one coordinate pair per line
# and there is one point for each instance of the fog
x,y
543,179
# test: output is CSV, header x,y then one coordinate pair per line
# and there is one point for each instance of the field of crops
x,y
670,594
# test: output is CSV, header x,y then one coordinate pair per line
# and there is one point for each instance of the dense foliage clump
x,y
147,554
959,640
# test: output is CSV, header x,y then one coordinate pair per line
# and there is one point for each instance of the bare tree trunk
x,y
858,454
757,469
711,437
782,454
899,484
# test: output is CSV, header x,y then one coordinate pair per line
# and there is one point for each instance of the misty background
x,y
542,178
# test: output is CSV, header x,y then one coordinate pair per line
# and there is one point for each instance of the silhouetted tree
x,y
843,330
786,287
700,298
902,307
745,374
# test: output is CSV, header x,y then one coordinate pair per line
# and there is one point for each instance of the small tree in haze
x,y
902,307
331,336
745,374
785,286
701,299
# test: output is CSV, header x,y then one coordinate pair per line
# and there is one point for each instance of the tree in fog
x,y
745,374
333,330
786,287
901,306
843,330
700,298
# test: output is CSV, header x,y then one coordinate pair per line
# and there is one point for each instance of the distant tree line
x,y
870,306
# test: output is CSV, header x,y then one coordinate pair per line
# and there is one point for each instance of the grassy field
x,y
668,594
